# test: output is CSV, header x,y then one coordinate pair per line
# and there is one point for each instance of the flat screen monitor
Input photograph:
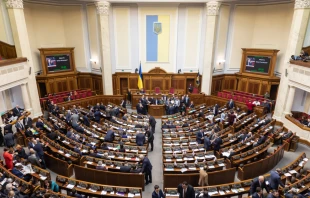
x,y
257,64
58,62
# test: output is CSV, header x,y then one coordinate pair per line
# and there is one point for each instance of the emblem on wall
x,y
157,27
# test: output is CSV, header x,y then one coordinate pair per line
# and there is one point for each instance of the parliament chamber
x,y
161,99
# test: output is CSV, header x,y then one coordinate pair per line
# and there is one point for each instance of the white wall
x,y
307,37
55,26
260,26
16,96
299,100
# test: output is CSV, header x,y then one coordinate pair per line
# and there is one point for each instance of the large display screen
x,y
259,64
58,63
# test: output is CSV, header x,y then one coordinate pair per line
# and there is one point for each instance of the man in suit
x,y
216,143
28,132
110,136
19,126
140,139
8,127
40,124
17,111
192,105
55,110
186,191
86,120
152,122
258,182
216,109
190,88
9,140
273,194
146,169
275,179
258,193
27,121
187,101
52,135
207,143
126,168
157,193
230,104
33,159
199,136
68,117
97,116
74,119
261,140
38,147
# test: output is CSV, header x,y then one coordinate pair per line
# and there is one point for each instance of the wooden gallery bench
x,y
215,178
109,178
58,166
262,166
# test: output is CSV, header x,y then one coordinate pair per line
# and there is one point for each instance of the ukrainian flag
x,y
157,38
140,78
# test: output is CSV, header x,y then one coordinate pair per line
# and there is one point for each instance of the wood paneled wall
x,y
248,83
7,51
60,83
157,77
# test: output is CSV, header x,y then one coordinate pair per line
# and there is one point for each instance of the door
x,y
123,86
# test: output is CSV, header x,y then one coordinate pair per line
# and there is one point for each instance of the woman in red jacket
x,y
8,158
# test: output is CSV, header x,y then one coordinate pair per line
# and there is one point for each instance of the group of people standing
x,y
173,104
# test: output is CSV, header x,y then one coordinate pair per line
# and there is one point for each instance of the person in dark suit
x,y
86,120
121,149
140,139
21,153
261,140
110,136
258,182
216,143
97,116
8,127
199,136
186,191
190,88
150,139
200,114
258,193
286,135
146,169
73,193
40,124
17,172
207,143
192,105
38,147
9,140
52,135
157,193
33,159
27,121
105,147
28,132
152,122
19,126
17,111
126,168
275,179
230,104
273,194
187,101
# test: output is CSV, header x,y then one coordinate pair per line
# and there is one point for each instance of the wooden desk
x,y
157,110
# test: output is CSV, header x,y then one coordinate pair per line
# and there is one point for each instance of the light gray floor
x,y
156,160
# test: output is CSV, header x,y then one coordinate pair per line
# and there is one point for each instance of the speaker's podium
x,y
157,110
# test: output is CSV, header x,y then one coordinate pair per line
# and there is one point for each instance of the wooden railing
x,y
7,51
297,123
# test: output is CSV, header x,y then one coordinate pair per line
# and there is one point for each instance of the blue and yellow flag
x,y
198,79
140,78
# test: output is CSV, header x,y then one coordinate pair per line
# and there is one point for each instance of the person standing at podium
x,y
190,88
